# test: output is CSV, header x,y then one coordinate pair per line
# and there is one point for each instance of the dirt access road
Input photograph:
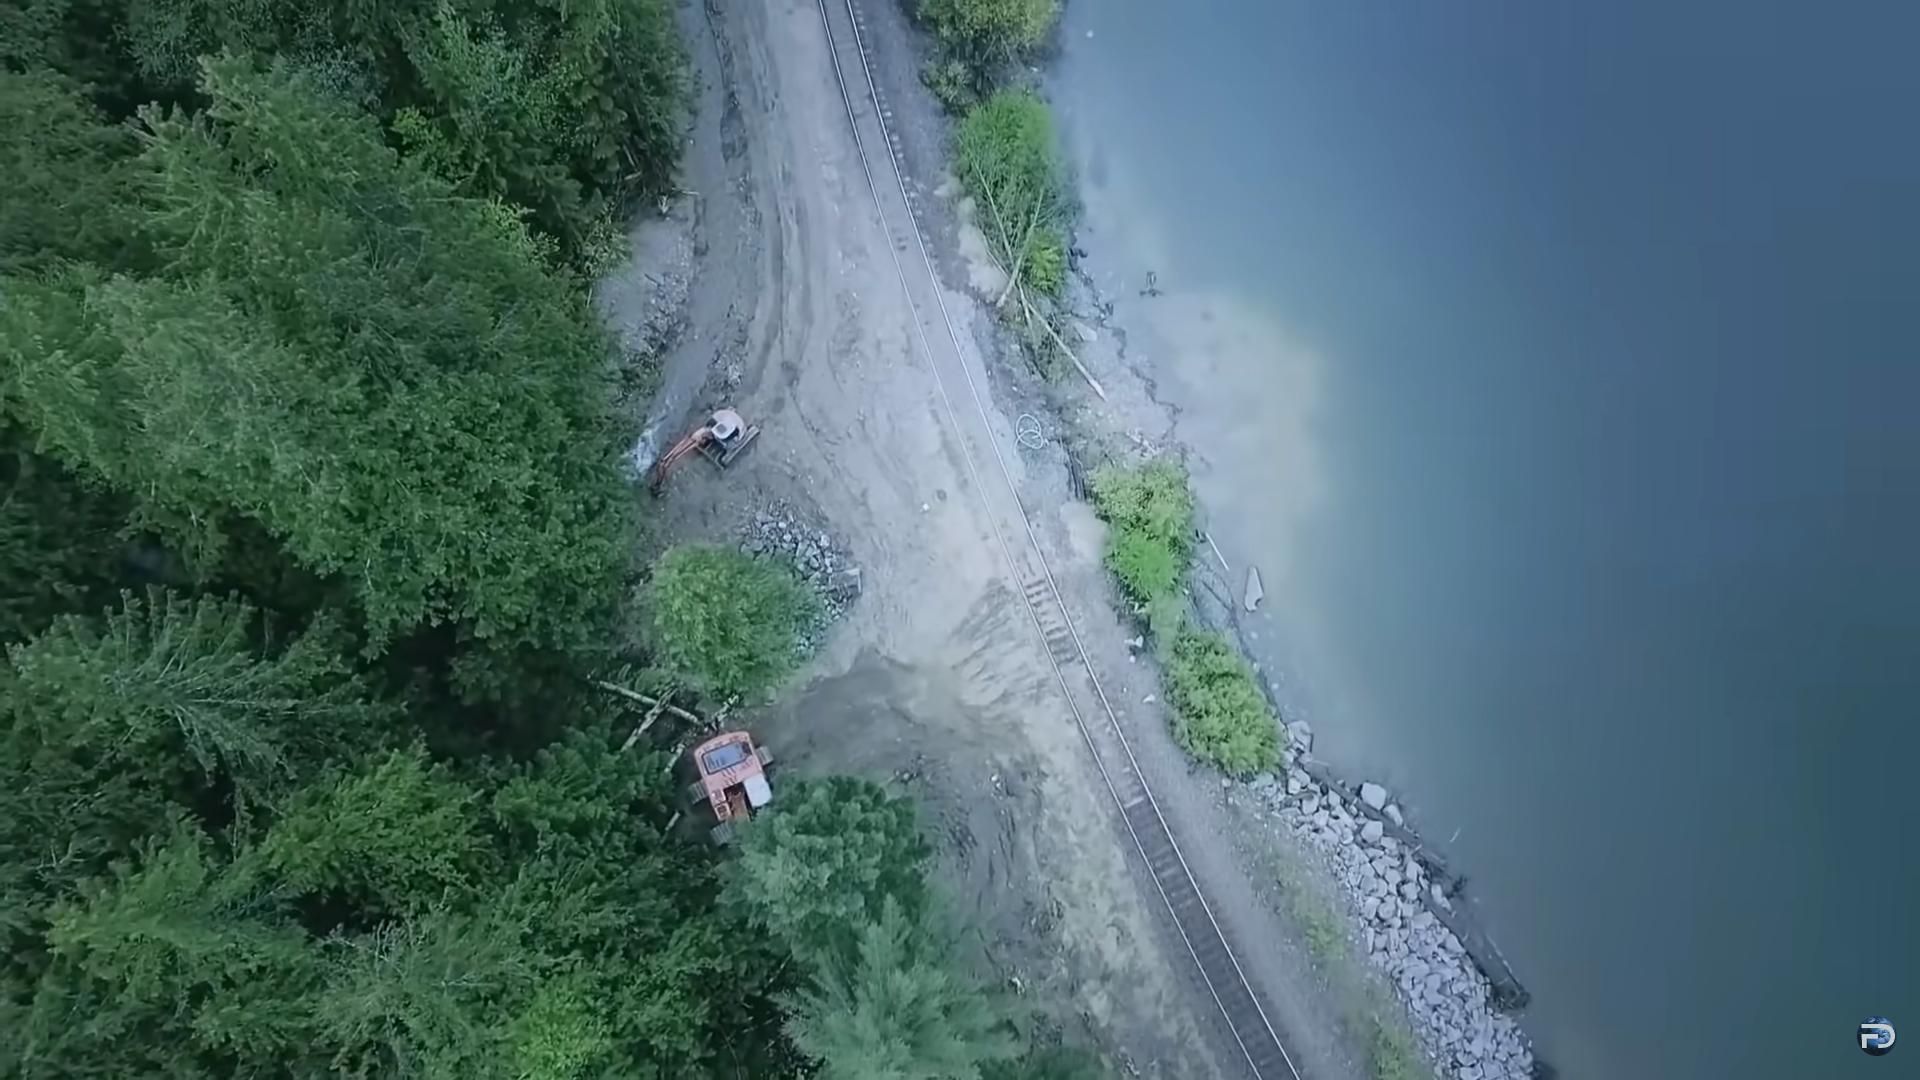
x,y
787,300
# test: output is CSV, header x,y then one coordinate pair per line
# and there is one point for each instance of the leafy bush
x,y
1219,713
985,35
1046,265
731,623
1150,512
953,84
1004,153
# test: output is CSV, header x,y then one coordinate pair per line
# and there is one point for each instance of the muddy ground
x,y
773,282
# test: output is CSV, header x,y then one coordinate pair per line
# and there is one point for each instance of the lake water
x,y
1559,366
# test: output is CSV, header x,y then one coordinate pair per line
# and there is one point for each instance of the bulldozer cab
x,y
731,780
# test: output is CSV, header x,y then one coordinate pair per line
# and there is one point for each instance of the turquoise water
x,y
1559,367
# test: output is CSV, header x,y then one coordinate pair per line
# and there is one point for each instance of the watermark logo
x,y
1876,1035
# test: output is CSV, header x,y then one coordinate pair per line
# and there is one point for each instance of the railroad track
x,y
1012,527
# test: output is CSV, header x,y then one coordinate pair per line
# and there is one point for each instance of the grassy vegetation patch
x,y
1005,155
978,39
729,622
1219,713
1391,1053
1149,509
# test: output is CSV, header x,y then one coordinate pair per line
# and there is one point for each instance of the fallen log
x,y
653,713
1508,993
1035,316
655,706
1014,285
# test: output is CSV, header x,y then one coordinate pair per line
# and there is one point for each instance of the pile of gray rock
x,y
1389,895
777,532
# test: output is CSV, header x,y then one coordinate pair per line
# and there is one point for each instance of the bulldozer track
x,y
900,216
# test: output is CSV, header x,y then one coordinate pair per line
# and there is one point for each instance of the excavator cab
x,y
722,438
730,780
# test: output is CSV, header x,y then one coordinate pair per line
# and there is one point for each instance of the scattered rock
x,y
1254,591
844,584
1389,893
1300,734
778,533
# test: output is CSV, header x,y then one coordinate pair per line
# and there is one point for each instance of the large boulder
x,y
1373,795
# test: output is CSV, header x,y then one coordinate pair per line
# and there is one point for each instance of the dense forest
x,y
314,542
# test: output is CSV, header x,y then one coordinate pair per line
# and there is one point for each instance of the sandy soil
x,y
935,679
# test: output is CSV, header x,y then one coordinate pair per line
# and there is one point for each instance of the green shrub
x,y
953,83
1046,265
986,34
730,623
1150,511
1219,714
1145,565
1004,153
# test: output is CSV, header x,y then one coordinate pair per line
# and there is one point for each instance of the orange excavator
x,y
720,440
730,781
